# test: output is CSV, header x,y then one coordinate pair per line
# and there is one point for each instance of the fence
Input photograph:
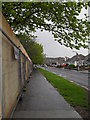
x,y
16,69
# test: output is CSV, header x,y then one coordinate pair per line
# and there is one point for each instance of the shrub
x,y
71,66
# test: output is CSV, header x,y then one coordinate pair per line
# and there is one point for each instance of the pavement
x,y
41,100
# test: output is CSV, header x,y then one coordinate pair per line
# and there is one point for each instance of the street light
x,y
77,60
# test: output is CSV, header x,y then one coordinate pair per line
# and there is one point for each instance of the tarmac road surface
x,y
78,77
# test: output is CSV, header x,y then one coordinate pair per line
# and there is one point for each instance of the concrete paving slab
x,y
42,100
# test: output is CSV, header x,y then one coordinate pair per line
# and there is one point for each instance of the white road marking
x,y
62,75
80,85
71,81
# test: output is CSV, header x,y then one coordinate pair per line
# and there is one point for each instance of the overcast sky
x,y
53,48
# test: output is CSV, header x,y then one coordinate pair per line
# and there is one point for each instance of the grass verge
x,y
72,93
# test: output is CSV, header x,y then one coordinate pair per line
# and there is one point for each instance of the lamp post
x,y
77,60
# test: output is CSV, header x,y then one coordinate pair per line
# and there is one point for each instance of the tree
x,y
60,19
34,50
36,53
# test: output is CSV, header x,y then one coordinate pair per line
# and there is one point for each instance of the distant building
x,y
87,60
54,61
76,60
66,58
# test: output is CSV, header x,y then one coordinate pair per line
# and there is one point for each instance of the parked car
x,y
63,65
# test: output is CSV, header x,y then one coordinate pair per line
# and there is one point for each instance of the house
x,y
76,60
54,61
87,60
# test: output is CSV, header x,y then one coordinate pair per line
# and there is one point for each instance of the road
x,y
71,75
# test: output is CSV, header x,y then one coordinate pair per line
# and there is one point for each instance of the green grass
x,y
72,93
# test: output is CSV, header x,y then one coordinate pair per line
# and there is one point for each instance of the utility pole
x,y
77,61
